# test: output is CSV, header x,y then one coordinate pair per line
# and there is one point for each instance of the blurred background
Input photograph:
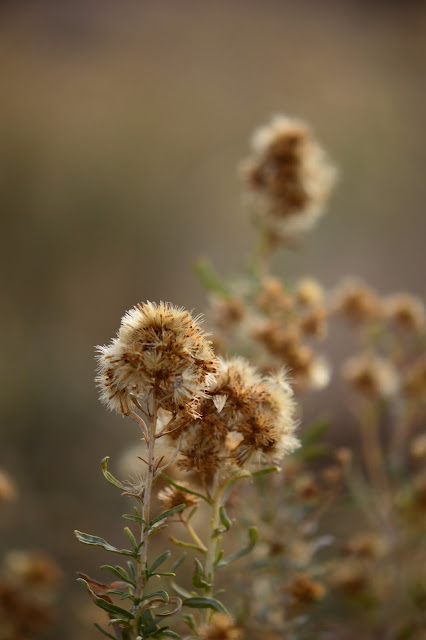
x,y
122,126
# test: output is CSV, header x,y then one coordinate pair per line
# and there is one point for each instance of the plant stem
x,y
147,498
212,544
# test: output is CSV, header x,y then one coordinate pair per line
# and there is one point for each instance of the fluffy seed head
x,y
405,311
356,301
160,348
222,627
246,420
172,497
288,175
371,375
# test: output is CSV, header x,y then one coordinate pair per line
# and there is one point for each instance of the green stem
x,y
209,568
146,509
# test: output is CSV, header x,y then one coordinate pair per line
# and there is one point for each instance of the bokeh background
x,y
122,125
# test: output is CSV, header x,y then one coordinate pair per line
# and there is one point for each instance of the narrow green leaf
x,y
171,634
109,476
185,489
315,432
132,571
264,472
132,539
133,518
159,594
186,545
119,572
253,539
181,591
190,621
167,514
227,523
209,278
313,451
178,562
159,561
205,603
100,542
108,635
198,579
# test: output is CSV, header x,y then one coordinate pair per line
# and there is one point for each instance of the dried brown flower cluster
x,y
222,627
246,419
158,348
288,176
282,324
28,585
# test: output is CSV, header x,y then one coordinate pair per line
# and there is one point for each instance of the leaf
x,y
109,607
167,514
178,562
133,518
162,558
227,523
108,635
209,278
132,539
181,591
315,432
198,579
264,472
253,537
120,573
186,545
190,621
85,538
171,634
185,489
205,603
313,451
157,594
109,476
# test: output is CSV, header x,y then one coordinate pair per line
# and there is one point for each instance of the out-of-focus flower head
x,y
288,176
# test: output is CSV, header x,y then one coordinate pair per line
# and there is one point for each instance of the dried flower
x,y
371,375
222,627
172,497
304,590
405,311
309,292
246,419
159,348
357,301
288,175
32,568
414,379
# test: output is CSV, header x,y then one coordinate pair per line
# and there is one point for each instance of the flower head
x,y
288,175
222,627
158,348
245,420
